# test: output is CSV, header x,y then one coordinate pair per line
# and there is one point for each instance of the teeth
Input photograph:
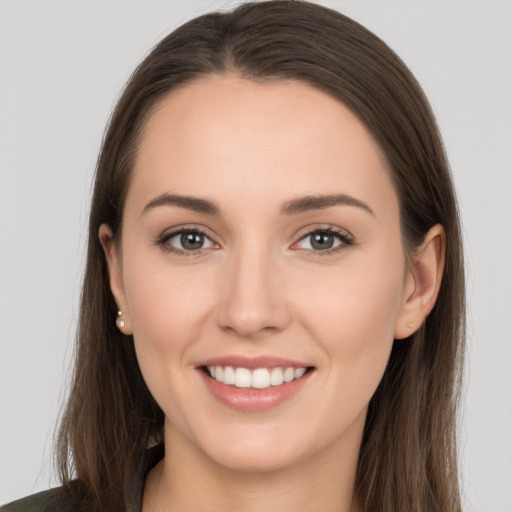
x,y
242,378
261,378
299,372
276,376
289,374
229,376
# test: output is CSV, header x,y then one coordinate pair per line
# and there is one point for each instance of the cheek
x,y
352,321
165,304
352,314
167,309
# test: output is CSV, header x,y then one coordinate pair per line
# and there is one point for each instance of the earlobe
x,y
423,282
112,258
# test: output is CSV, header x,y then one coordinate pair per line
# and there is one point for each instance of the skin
x,y
260,288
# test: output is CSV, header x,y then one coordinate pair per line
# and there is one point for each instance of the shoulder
x,y
46,501
73,499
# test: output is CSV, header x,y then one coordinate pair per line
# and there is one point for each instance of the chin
x,y
257,452
256,461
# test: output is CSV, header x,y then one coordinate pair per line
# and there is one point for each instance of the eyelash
x,y
163,241
345,239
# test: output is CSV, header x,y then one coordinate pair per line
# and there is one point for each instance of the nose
x,y
253,301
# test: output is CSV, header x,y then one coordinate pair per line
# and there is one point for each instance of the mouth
x,y
258,378
254,384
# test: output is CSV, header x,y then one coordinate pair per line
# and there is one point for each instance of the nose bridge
x,y
252,300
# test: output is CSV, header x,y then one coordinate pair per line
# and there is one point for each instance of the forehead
x,y
276,139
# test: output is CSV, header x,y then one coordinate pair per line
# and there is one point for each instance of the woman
x,y
274,288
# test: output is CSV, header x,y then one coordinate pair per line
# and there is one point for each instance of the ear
x,y
112,256
423,282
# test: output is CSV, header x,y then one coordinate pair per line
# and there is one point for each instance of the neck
x,y
186,480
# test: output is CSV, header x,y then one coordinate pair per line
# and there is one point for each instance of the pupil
x,y
192,241
322,241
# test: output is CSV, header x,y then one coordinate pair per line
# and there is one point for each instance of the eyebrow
x,y
308,203
190,203
292,207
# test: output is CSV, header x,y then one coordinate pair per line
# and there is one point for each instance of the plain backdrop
x,y
62,65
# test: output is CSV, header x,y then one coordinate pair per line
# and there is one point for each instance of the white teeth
x,y
261,378
299,372
276,376
242,378
289,374
229,376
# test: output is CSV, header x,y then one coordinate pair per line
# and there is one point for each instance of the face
x,y
261,246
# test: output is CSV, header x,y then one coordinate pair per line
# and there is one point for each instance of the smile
x,y
254,384
259,378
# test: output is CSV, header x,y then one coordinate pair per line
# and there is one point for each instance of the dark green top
x,y
49,501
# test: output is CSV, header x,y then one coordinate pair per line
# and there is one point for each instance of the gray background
x,y
62,65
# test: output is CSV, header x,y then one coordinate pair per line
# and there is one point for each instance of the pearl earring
x,y
409,325
120,321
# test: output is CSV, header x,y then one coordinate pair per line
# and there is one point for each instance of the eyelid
x,y
346,238
312,228
169,233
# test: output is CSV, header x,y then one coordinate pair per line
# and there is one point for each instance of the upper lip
x,y
252,363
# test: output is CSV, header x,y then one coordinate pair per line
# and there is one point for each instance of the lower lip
x,y
251,399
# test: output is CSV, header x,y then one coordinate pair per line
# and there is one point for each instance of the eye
x,y
186,240
324,240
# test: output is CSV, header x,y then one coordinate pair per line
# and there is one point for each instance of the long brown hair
x,y
408,458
